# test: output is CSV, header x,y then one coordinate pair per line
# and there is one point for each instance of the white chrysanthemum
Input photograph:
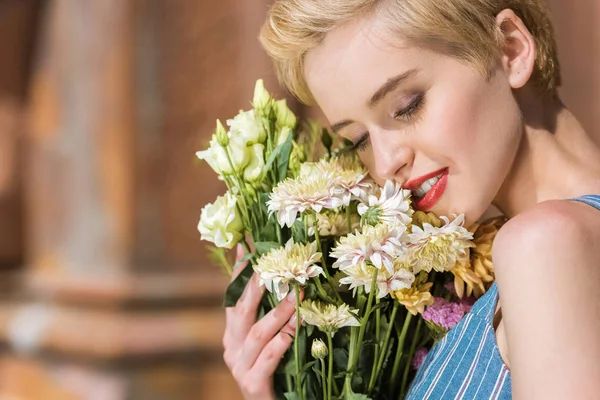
x,y
308,191
390,207
327,317
294,262
379,245
439,248
331,223
351,177
362,275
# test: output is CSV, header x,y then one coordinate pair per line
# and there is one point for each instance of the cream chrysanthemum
x,y
327,317
314,191
439,248
294,262
362,275
379,245
415,298
390,207
351,177
331,223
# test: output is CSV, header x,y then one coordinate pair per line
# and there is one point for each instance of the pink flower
x,y
444,313
419,357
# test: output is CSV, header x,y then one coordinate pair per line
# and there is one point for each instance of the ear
x,y
518,50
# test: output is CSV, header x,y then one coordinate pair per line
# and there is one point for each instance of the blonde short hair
x,y
464,29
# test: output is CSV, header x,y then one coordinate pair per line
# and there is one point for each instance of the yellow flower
x,y
466,280
481,255
475,275
416,297
420,217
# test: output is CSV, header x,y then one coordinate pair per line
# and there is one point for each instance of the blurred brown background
x,y
106,292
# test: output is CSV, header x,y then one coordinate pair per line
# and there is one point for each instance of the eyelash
x,y
409,113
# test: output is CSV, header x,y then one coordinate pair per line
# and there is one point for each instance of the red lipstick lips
x,y
431,198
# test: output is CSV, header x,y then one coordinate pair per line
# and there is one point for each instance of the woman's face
x,y
413,113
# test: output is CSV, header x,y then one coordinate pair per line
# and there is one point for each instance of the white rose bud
x,y
249,127
262,98
285,116
217,158
253,170
319,349
221,223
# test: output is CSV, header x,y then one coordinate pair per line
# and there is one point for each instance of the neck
x,y
556,159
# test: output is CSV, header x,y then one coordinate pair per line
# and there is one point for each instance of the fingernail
x,y
293,320
291,297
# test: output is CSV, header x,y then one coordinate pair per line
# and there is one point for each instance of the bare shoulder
x,y
547,263
568,225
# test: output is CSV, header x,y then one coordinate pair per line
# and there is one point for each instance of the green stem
x,y
347,388
349,219
377,320
411,353
320,250
361,332
321,291
324,378
297,345
330,371
384,348
399,350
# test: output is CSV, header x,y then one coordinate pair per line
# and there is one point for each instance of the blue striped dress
x,y
466,363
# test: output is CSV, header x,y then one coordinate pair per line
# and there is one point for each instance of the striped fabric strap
x,y
589,199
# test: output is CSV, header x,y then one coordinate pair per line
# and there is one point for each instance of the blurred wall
x,y
100,117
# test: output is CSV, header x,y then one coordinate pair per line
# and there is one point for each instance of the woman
x,y
462,90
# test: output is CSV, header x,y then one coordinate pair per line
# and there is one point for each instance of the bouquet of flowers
x,y
382,282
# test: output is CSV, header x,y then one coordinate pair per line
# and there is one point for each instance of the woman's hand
x,y
254,349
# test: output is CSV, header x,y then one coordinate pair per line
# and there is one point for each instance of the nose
x,y
391,158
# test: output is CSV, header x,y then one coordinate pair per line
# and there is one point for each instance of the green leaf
x,y
299,232
357,396
268,232
272,158
284,158
340,358
243,260
327,140
265,247
306,366
291,396
236,288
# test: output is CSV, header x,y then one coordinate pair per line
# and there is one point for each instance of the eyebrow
x,y
389,86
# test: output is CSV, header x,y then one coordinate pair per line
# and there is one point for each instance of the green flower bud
x,y
372,216
262,98
285,116
319,349
221,134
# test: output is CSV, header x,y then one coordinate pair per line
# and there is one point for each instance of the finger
x,y
239,254
271,355
239,319
264,330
